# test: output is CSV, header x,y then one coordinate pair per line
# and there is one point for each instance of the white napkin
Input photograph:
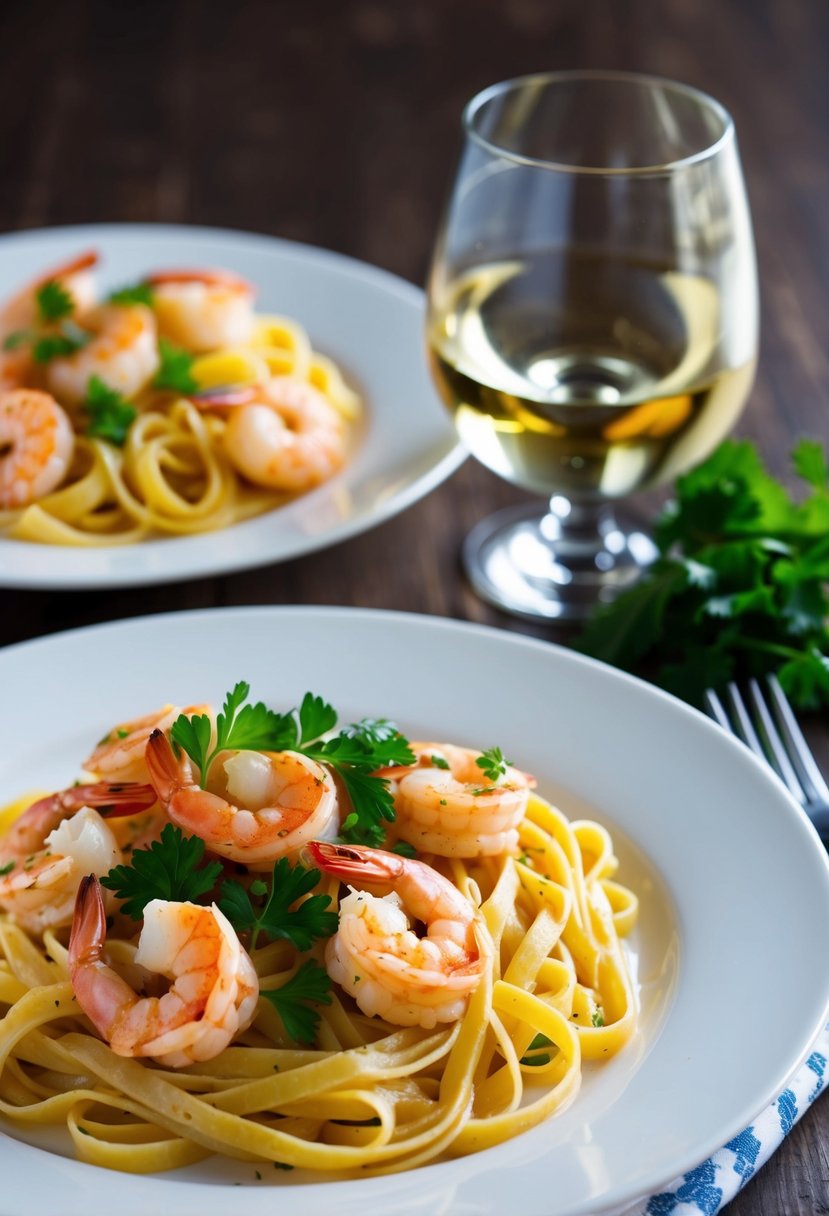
x,y
706,1190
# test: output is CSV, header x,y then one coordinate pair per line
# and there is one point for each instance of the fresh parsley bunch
x,y
740,587
354,754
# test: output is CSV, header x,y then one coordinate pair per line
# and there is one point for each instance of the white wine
x,y
573,372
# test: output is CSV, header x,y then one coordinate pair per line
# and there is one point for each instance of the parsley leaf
x,y
493,763
53,301
741,587
535,1057
239,726
294,1001
66,341
110,414
174,373
136,293
169,868
316,717
372,801
404,849
274,916
19,338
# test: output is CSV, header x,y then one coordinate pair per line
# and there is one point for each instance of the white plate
x,y
369,321
733,883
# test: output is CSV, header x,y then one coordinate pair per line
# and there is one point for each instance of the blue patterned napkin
x,y
706,1190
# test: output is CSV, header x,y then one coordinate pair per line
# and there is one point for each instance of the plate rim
x,y
693,1155
418,487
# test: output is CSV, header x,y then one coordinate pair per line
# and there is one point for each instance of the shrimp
x,y
203,309
377,958
20,317
53,843
281,800
445,804
288,437
214,989
21,311
36,446
119,756
123,352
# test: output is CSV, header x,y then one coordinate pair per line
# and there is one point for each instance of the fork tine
x,y
798,749
714,707
737,721
774,749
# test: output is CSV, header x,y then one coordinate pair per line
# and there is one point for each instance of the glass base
x,y
560,566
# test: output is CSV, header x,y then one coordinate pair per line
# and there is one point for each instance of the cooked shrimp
x,y
446,805
289,437
280,801
21,311
123,352
36,445
54,843
213,993
40,893
120,754
377,958
203,309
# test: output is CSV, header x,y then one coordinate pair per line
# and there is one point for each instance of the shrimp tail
x,y
162,766
225,398
212,278
353,862
86,941
84,261
115,798
101,993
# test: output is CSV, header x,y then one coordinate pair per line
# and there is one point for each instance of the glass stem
x,y
578,532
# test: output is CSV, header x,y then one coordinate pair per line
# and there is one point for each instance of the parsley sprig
x,y
493,763
170,868
354,754
294,1001
110,414
174,372
53,301
135,293
741,587
271,910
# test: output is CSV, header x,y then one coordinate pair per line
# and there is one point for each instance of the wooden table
x,y
337,124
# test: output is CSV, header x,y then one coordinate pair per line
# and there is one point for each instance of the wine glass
x,y
592,320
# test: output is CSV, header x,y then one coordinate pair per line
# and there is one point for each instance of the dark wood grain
x,y
337,124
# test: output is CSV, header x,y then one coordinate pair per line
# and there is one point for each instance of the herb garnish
x,y
174,373
741,587
110,414
170,868
269,911
535,1057
493,764
53,301
355,753
135,293
294,1001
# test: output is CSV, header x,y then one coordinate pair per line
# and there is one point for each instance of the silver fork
x,y
766,723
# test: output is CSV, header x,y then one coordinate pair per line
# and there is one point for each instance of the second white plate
x,y
369,321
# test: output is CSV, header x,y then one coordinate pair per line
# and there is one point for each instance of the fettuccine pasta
x,y
170,408
368,1094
